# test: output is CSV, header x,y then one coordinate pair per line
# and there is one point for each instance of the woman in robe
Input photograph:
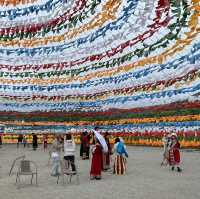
x,y
96,164
174,153
120,161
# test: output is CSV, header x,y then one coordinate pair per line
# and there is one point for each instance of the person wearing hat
x,y
174,153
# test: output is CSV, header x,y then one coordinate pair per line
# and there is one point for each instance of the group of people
x,y
100,160
22,140
171,154
67,145
101,153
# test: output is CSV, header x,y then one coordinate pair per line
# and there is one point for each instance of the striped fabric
x,y
119,165
171,157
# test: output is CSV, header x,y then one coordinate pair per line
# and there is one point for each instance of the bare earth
x,y
145,178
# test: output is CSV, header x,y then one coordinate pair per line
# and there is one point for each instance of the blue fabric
x,y
121,149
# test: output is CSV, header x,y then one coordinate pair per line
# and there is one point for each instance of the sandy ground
x,y
145,178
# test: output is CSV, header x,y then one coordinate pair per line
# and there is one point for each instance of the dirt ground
x,y
145,178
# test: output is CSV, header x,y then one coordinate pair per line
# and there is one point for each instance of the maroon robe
x,y
96,166
174,154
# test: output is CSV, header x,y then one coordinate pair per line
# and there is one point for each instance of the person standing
x,y
35,141
19,140
81,145
0,141
55,155
45,142
166,143
174,153
106,155
69,151
96,164
86,145
119,167
24,140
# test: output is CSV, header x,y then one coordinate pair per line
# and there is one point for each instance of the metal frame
x,y
67,172
31,172
14,162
